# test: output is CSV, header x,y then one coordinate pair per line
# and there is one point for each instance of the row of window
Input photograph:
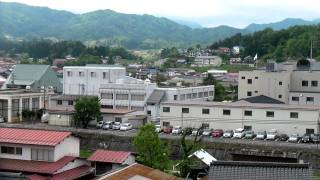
x,y
308,99
11,150
42,154
60,102
134,97
228,112
306,83
92,74
194,95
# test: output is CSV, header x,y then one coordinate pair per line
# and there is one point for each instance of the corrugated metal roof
x,y
204,156
138,171
156,96
117,157
28,166
34,137
29,72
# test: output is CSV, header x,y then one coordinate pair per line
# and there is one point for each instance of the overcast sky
x,y
209,13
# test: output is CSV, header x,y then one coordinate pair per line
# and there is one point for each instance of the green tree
x,y
87,108
152,151
219,92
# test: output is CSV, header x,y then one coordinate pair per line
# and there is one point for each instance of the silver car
x,y
116,126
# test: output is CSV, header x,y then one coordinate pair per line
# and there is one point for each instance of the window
x,y
182,97
93,74
314,83
270,114
106,96
205,111
280,83
175,97
166,109
248,113
42,154
149,112
15,107
25,104
249,81
226,112
185,110
294,98
205,94
188,96
118,119
81,74
136,97
69,73
59,102
243,77
294,115
122,96
136,108
194,95
256,92
200,94
165,124
249,93
310,99
304,83
280,96
11,150
70,103
104,75
35,103
256,77
205,125
211,93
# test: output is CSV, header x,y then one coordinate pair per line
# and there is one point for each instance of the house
x,y
239,170
217,72
13,102
86,80
34,76
236,50
105,160
235,61
40,154
286,118
207,61
138,172
224,50
291,82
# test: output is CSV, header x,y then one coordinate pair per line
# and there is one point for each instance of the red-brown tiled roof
x,y
66,175
16,165
117,157
34,137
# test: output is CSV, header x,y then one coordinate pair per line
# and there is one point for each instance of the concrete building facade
x,y
251,116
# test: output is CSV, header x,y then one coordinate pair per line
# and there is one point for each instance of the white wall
x,y
70,146
281,120
60,119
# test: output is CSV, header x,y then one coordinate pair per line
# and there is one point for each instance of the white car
x,y
116,126
294,138
272,134
228,133
239,133
158,128
100,124
125,127
107,125
177,130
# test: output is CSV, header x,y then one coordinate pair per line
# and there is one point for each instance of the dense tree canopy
x,y
87,108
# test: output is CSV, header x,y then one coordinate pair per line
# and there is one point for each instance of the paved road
x,y
131,133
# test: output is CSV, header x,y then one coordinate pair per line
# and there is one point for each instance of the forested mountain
x,y
294,42
284,24
104,26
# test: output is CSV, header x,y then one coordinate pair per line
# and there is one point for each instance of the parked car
x,y
125,127
167,129
177,130
116,126
306,138
195,131
187,131
107,125
228,133
283,137
158,128
207,132
238,133
272,134
217,133
315,138
249,135
99,124
294,138
261,135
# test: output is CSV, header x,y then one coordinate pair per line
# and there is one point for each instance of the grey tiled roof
x,y
262,99
236,170
156,96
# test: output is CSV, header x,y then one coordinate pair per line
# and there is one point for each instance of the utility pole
x,y
311,47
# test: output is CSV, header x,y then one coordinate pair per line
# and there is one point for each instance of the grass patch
x,y
316,174
85,153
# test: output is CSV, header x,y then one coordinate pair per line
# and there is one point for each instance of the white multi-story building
x,y
207,61
126,93
250,116
290,82
86,80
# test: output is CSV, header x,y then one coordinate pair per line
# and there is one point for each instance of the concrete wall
x,y
60,119
259,121
72,84
302,96
299,76
184,91
68,147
